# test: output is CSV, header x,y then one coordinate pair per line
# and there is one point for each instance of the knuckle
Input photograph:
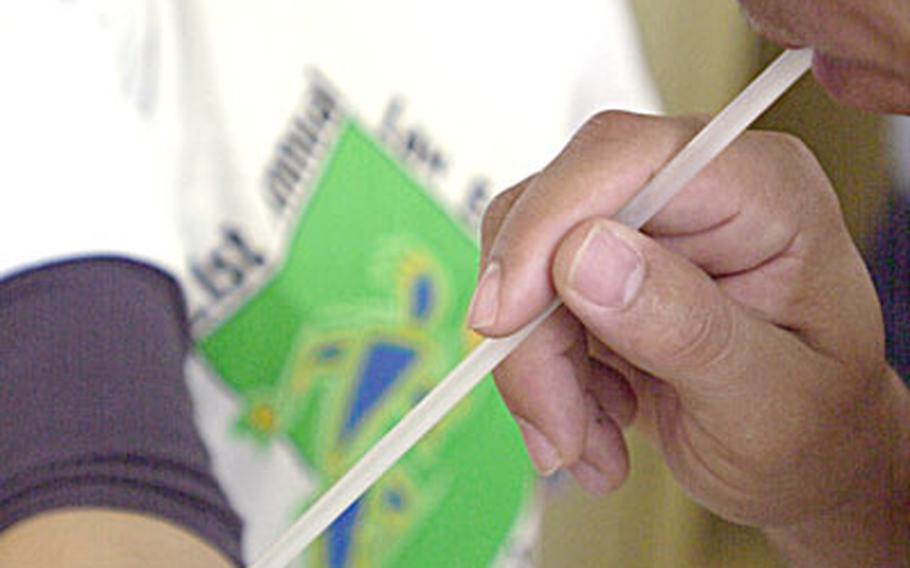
x,y
787,149
785,140
607,126
493,215
818,190
704,338
804,179
609,120
499,207
504,379
688,125
612,133
497,210
610,124
777,146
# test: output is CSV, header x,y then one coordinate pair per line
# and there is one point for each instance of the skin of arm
x,y
885,536
104,538
739,330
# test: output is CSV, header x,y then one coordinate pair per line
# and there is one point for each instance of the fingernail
x,y
590,478
606,270
544,456
485,303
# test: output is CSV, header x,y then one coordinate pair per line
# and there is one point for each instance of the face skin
x,y
862,47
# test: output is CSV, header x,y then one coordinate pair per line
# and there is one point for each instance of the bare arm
x,y
874,533
98,538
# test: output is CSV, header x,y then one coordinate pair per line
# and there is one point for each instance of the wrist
x,y
873,530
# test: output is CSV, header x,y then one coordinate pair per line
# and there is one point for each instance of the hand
x,y
739,329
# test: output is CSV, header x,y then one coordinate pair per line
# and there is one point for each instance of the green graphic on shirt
x,y
364,317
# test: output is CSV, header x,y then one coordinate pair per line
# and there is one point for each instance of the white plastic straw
x,y
706,145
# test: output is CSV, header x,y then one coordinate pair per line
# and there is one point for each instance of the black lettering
x,y
280,184
322,104
388,128
411,144
294,153
476,200
306,133
202,277
227,271
228,265
250,257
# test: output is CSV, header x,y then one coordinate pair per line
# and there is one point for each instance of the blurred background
x,y
650,522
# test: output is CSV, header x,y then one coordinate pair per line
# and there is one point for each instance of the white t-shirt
x,y
170,131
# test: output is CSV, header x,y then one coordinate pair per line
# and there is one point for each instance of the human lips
x,y
831,72
862,84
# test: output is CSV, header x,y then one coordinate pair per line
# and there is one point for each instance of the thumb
x,y
657,310
753,412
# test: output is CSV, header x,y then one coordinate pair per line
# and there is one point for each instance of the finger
x,y
781,216
603,166
612,393
604,465
493,217
540,385
645,388
745,210
759,218
785,218
717,400
798,292
746,206
657,310
495,214
749,403
562,424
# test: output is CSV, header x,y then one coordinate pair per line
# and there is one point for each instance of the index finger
x,y
608,160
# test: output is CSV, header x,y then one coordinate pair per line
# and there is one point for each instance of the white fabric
x,y
143,127
122,118
84,154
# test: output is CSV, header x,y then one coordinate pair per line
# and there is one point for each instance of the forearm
x,y
874,532
105,538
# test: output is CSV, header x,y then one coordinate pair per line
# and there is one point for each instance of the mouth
x,y
831,72
862,84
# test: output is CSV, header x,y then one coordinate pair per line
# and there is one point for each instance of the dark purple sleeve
x,y
889,261
94,409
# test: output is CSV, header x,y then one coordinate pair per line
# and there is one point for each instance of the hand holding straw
x,y
704,147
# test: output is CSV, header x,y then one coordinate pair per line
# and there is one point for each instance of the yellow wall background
x,y
701,53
